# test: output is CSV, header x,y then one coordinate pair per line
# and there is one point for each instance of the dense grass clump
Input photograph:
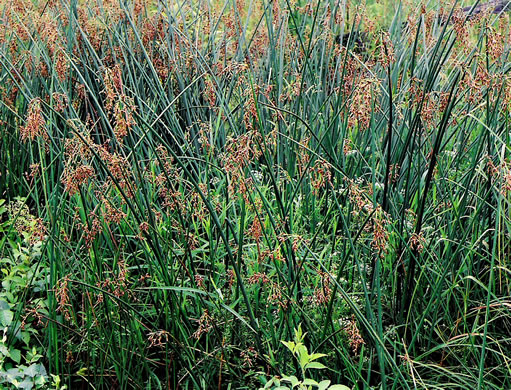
x,y
186,184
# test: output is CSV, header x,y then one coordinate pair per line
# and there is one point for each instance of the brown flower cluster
x,y
117,285
205,325
323,292
378,225
239,153
35,125
417,242
321,175
361,110
354,337
158,338
62,295
275,295
380,232
118,103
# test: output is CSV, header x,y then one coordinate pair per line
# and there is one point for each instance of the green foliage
x,y
306,362
22,279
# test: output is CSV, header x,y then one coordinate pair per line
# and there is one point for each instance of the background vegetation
x,y
186,183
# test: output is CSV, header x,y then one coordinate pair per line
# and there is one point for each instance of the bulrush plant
x,y
204,177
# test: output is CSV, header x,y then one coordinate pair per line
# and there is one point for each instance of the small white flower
x,y
258,176
379,186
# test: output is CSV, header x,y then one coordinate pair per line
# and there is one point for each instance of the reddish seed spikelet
x,y
354,337
387,56
62,296
34,122
258,277
361,104
417,242
200,281
158,338
91,232
321,175
60,102
205,325
112,214
74,178
323,292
